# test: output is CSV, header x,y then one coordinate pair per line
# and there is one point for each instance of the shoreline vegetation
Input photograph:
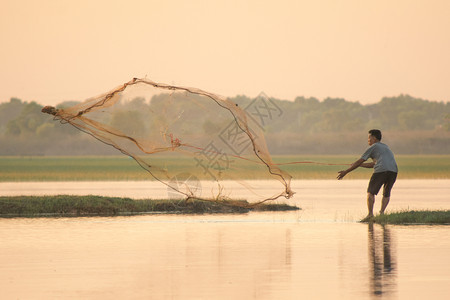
x,y
303,126
80,206
123,168
413,217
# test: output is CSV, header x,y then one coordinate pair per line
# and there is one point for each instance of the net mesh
x,y
177,132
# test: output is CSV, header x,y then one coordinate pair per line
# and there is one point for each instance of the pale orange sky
x,y
55,50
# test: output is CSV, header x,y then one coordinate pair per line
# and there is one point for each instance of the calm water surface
x,y
320,251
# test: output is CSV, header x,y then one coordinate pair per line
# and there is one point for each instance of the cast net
x,y
185,138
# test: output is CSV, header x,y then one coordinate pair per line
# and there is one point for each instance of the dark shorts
x,y
383,178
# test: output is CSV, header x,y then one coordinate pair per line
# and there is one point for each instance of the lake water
x,y
320,251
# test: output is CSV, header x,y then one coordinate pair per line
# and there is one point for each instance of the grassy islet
x,y
415,217
76,206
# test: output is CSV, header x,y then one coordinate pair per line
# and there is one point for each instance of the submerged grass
x,y
415,217
69,206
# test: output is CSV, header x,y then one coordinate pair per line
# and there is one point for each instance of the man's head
x,y
374,136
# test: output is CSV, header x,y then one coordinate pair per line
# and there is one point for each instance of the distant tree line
x,y
338,115
303,126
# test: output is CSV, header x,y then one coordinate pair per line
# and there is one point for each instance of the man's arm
x,y
368,165
354,165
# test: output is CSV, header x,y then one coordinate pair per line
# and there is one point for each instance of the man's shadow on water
x,y
382,261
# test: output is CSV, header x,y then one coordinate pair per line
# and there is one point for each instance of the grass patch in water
x,y
69,206
415,217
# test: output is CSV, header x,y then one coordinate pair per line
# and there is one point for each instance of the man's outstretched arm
x,y
354,165
368,165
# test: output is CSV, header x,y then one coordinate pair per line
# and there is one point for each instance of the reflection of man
x,y
382,262
385,171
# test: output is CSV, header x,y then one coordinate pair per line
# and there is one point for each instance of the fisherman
x,y
385,171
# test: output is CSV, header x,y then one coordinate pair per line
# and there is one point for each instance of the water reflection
x,y
316,253
382,261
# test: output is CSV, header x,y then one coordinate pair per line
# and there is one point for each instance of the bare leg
x,y
384,204
370,203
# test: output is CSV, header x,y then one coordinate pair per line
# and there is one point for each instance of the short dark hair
x,y
376,133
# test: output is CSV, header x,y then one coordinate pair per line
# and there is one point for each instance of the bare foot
x,y
369,218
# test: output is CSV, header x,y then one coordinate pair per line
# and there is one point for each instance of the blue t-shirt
x,y
383,157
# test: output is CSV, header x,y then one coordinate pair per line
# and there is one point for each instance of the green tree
x,y
28,121
10,110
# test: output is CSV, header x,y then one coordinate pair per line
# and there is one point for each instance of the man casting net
x,y
172,131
